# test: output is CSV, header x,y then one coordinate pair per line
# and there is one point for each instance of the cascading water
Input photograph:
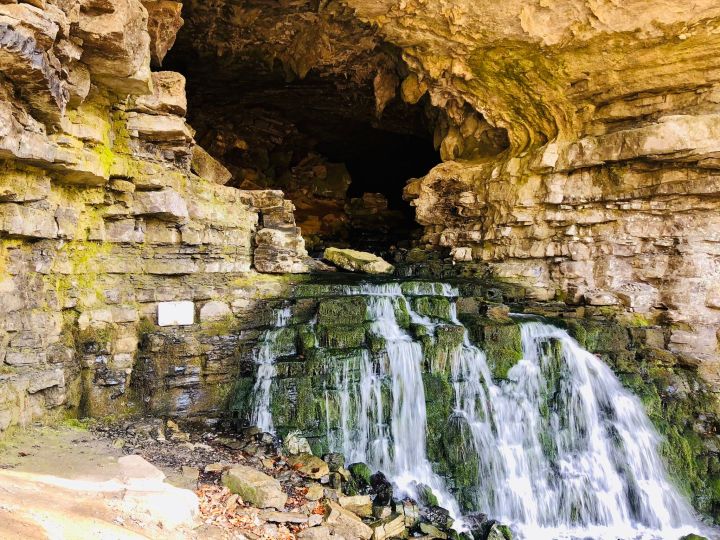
x,y
400,450
563,450
265,357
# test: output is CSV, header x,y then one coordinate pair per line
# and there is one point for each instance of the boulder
x,y
294,443
315,533
207,167
361,474
360,505
309,466
346,524
255,487
382,488
358,261
432,531
392,527
499,532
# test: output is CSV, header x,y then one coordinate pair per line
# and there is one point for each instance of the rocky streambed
x,y
248,486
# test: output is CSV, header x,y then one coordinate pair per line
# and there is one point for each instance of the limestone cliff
x,y
608,192
579,142
102,214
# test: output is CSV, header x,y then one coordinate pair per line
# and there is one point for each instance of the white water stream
x,y
265,357
564,450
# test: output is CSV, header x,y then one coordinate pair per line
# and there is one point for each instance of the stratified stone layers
x,y
609,192
101,216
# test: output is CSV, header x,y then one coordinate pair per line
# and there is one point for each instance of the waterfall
x,y
407,463
265,357
566,451
563,450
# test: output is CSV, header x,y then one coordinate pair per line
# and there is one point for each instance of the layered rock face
x,y
608,192
101,213
579,144
578,139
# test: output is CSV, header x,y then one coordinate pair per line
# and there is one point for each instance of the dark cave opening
x,y
318,138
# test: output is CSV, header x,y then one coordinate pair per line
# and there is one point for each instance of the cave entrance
x,y
342,157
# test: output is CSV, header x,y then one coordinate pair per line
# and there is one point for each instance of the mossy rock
x,y
283,341
439,402
436,307
342,337
361,474
438,351
343,311
606,338
298,404
402,314
502,344
358,261
303,310
376,343
307,338
421,288
419,331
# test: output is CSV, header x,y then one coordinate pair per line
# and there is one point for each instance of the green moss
x,y
283,341
84,259
675,416
376,343
222,327
439,401
342,337
436,307
502,344
298,404
146,326
96,338
76,423
361,474
402,314
350,310
605,338
438,351
307,339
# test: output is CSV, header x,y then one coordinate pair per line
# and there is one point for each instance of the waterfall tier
x,y
537,433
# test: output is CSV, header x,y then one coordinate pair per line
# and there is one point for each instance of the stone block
x,y
25,221
360,505
214,311
168,95
166,204
207,167
21,186
159,128
347,524
123,231
255,487
46,379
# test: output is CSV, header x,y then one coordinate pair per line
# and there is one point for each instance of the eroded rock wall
x,y
101,213
608,191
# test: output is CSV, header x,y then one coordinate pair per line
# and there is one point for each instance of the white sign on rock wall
x,y
176,313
